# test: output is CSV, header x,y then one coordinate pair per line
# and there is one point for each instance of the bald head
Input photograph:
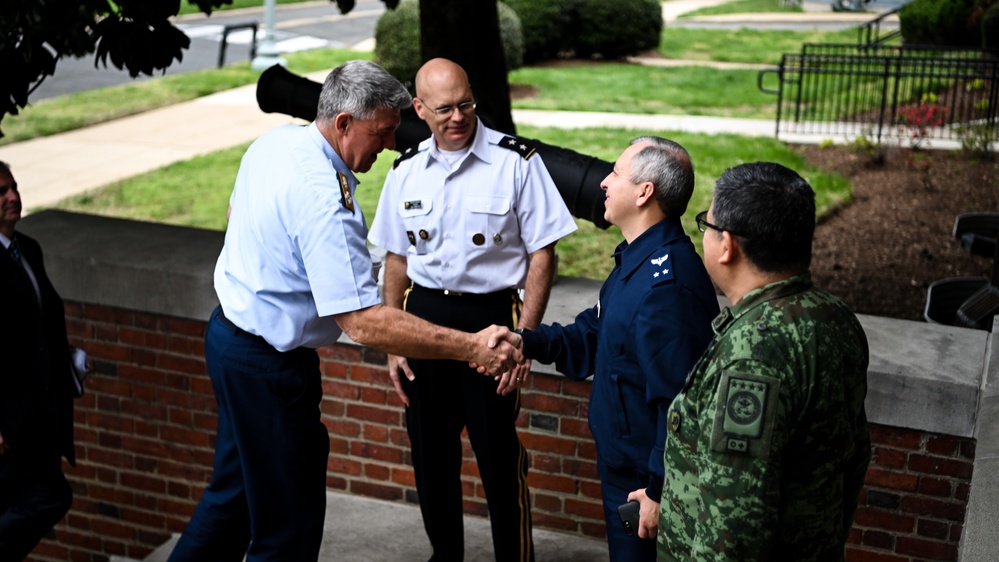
x,y
444,100
439,75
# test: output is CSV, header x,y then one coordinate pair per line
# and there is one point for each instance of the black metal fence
x,y
884,93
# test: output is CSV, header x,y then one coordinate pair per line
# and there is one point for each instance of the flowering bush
x,y
918,119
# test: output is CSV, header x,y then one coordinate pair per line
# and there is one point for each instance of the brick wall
x,y
145,438
916,495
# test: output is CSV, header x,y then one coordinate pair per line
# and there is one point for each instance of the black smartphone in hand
x,y
629,517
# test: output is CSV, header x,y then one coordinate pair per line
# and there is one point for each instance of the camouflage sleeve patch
x,y
745,413
519,146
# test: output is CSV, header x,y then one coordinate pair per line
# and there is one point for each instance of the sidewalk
x,y
360,529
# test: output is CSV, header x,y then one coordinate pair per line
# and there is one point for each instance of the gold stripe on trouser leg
x,y
405,295
525,503
524,494
517,306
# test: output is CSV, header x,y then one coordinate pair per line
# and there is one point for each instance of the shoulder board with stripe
x,y
520,146
408,153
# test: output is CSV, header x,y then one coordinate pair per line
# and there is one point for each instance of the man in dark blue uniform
x,y
645,333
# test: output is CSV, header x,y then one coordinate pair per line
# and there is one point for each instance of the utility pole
x,y
267,54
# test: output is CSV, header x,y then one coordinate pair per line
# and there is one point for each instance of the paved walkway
x,y
360,529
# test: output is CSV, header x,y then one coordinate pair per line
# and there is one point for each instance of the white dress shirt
x,y
469,227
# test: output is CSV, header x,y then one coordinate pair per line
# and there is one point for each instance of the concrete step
x,y
360,529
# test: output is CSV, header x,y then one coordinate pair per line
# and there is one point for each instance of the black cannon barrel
x,y
577,176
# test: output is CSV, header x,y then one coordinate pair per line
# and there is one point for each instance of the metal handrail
x,y
832,88
225,38
873,28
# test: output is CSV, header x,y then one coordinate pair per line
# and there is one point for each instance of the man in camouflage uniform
x,y
768,442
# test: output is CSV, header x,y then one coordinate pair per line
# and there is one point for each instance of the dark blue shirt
x,y
648,329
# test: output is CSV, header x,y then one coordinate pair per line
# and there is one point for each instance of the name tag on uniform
x,y
409,205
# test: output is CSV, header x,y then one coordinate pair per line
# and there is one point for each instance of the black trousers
x,y
448,396
30,505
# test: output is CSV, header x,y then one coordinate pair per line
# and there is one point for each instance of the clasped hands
x,y
497,353
517,373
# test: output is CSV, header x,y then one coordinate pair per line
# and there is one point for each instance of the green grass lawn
x,y
632,88
196,192
742,45
72,111
188,8
742,7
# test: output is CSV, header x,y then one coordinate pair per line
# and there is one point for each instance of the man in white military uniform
x,y
294,271
467,218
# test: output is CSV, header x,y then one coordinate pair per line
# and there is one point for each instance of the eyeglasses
x,y
703,225
445,111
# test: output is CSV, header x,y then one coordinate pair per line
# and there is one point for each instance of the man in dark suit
x,y
36,391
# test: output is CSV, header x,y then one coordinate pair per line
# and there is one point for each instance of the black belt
x,y
470,297
239,331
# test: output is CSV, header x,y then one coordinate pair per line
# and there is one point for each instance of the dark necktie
x,y
14,251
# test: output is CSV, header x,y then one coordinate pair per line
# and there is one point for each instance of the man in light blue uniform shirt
x,y
294,272
649,326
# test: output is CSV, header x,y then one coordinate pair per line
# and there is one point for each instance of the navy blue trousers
x,y
30,505
447,397
615,485
267,496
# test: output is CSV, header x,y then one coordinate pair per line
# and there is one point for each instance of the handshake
x,y
506,348
500,350
495,351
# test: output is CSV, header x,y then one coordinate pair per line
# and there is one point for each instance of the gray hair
x,y
667,165
359,87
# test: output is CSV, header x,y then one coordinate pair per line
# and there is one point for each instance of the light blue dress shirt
x,y
294,253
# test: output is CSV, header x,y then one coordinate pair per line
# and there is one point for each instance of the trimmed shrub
x,y
512,36
937,22
990,27
544,24
615,29
397,40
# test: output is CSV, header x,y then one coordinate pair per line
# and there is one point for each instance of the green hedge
x,y
938,22
990,28
545,24
397,41
613,29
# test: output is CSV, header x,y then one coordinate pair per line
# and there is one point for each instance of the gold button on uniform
x,y
424,234
498,238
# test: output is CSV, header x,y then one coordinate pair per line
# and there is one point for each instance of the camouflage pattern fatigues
x,y
768,442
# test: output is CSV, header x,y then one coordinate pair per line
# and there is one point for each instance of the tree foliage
x,y
467,32
134,35
137,36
